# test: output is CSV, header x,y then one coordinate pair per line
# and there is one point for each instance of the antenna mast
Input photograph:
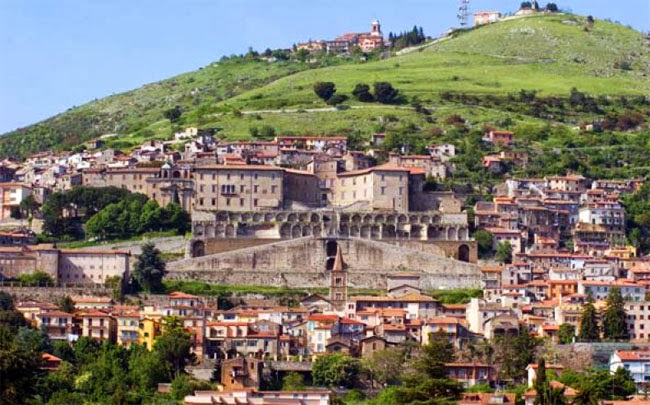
x,y
463,12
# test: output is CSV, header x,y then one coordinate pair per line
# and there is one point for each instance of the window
x,y
383,190
255,176
255,202
255,187
273,189
241,202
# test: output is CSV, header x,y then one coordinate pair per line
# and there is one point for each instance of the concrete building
x,y
64,265
637,362
238,188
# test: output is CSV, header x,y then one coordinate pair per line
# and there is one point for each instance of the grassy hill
x,y
549,54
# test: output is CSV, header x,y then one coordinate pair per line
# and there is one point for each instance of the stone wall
x,y
302,262
51,294
164,244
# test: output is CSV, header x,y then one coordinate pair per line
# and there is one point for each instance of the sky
x,y
56,54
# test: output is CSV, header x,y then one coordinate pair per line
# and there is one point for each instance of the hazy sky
x,y
59,53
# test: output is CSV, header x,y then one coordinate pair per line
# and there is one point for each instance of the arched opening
x,y
463,253
389,232
331,246
285,230
365,231
198,249
230,231
451,234
176,174
329,263
296,232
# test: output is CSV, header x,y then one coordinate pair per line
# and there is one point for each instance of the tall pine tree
x,y
589,330
614,318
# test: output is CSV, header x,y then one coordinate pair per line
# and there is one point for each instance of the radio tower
x,y
463,12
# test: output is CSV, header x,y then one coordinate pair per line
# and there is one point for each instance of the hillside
x,y
549,54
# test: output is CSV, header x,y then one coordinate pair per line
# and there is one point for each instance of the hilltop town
x,y
378,267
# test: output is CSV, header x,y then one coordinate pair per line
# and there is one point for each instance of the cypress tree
x,y
614,318
589,331
541,385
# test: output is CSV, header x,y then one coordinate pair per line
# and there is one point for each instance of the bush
x,y
337,99
324,90
385,93
362,93
35,279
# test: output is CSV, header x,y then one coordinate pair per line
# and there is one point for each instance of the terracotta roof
x,y
633,355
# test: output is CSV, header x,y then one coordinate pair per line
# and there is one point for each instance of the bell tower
x,y
338,282
375,29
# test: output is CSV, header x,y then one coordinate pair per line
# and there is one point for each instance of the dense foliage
x,y
134,215
65,211
615,318
407,38
589,328
149,269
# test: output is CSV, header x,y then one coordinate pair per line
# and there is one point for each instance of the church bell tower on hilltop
x,y
375,28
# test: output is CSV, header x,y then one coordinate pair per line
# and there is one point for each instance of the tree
x,y
552,8
293,381
174,347
485,240
335,370
173,114
20,368
504,252
149,269
515,353
429,379
541,384
28,205
6,301
567,333
614,317
385,93
324,90
181,387
362,93
65,304
385,366
589,330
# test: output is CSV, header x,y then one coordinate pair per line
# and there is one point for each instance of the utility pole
x,y
463,12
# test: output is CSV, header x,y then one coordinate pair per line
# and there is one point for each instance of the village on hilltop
x,y
278,258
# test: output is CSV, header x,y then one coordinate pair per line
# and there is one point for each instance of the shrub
x,y
324,90
337,99
362,93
